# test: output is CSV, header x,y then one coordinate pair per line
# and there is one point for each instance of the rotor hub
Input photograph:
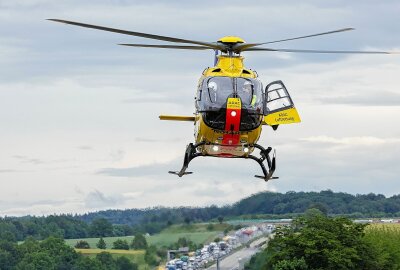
x,y
231,39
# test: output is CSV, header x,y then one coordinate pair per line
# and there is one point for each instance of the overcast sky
x,y
79,128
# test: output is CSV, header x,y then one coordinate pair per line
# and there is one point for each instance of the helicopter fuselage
x,y
231,109
233,134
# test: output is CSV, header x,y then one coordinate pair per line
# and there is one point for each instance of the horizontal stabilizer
x,y
180,174
266,178
177,118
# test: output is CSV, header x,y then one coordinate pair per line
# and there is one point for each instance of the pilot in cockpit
x,y
212,87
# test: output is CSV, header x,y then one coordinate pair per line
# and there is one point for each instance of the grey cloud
x,y
203,167
26,159
351,167
20,204
150,100
212,190
85,147
97,199
152,140
117,155
37,161
146,170
380,98
13,171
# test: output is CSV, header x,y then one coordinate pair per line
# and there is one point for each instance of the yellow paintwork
x,y
229,67
234,103
231,39
232,66
177,118
288,116
204,133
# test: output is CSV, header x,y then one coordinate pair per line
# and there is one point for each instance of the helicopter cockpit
x,y
212,98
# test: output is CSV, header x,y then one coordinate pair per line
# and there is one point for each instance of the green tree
x,y
187,220
85,263
294,264
101,228
320,206
324,243
183,242
139,242
106,260
101,244
64,256
123,263
36,260
317,242
82,244
150,256
120,244
8,255
220,219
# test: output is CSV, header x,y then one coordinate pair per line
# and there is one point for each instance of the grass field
x,y
385,238
197,233
389,226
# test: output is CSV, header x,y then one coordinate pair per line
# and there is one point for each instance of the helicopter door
x,y
278,105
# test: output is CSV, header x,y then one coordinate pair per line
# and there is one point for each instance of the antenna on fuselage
x,y
216,57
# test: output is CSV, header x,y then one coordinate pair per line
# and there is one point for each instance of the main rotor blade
x,y
318,51
169,46
144,35
239,48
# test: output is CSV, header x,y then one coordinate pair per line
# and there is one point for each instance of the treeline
x,y
332,203
63,226
53,253
264,204
67,227
153,220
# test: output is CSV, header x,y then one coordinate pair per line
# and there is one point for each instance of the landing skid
x,y
191,153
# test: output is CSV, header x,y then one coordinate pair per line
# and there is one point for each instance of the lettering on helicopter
x,y
227,132
284,119
234,103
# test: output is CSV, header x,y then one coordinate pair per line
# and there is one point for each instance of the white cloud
x,y
351,141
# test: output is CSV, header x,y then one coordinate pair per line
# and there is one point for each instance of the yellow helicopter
x,y
231,104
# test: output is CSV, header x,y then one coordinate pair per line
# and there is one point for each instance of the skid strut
x,y
264,153
191,153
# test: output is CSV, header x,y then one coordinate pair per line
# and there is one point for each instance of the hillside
x,y
267,203
111,223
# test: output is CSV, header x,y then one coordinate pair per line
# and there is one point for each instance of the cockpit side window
x,y
245,90
199,91
250,92
218,89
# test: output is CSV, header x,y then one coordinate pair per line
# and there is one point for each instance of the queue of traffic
x,y
213,251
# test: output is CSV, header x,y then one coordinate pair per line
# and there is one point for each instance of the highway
x,y
231,262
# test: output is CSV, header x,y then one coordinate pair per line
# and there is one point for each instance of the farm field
x,y
197,233
385,238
